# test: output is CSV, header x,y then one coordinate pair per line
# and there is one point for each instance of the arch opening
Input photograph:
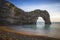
x,y
40,20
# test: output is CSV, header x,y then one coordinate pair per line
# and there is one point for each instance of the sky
x,y
52,6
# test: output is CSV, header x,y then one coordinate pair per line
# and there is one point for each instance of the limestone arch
x,y
43,14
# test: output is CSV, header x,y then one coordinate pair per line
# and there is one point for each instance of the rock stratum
x,y
10,14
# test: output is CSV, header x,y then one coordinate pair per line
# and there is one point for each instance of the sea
x,y
51,30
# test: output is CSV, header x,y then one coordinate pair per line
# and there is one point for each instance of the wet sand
x,y
9,34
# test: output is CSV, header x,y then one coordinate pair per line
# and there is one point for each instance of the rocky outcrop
x,y
10,14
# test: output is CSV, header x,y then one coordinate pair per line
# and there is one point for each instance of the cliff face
x,y
10,14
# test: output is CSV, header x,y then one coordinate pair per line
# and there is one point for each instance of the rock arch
x,y
44,14
19,16
33,15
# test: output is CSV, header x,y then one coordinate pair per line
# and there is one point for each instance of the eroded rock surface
x,y
10,14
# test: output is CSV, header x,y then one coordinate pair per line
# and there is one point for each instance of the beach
x,y
7,33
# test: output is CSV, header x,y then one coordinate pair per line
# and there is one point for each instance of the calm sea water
x,y
40,28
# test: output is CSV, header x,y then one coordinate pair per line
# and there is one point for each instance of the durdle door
x,y
10,14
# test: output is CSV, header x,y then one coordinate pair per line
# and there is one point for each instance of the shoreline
x,y
25,35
